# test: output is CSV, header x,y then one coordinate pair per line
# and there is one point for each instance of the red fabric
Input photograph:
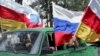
x,y
40,25
61,38
32,25
35,25
7,13
91,20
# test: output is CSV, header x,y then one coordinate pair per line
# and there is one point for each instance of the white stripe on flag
x,y
64,14
95,7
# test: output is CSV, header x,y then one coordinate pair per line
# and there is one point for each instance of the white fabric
x,y
65,14
17,7
95,7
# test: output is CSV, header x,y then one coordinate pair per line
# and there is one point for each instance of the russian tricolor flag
x,y
65,24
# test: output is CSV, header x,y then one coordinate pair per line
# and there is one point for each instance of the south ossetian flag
x,y
89,29
10,19
15,16
65,25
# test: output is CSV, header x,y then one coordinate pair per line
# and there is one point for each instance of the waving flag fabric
x,y
15,13
89,29
9,19
65,25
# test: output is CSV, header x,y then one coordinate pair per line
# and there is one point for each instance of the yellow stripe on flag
x,y
11,24
87,34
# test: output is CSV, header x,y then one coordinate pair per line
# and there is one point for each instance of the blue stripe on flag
x,y
64,26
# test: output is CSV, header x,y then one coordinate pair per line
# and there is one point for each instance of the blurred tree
x,y
19,1
76,5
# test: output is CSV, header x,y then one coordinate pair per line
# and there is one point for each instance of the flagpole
x,y
81,20
0,26
74,37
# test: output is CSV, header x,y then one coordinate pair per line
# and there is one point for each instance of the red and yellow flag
x,y
10,19
89,29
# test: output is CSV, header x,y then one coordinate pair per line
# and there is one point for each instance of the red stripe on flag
x,y
61,38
